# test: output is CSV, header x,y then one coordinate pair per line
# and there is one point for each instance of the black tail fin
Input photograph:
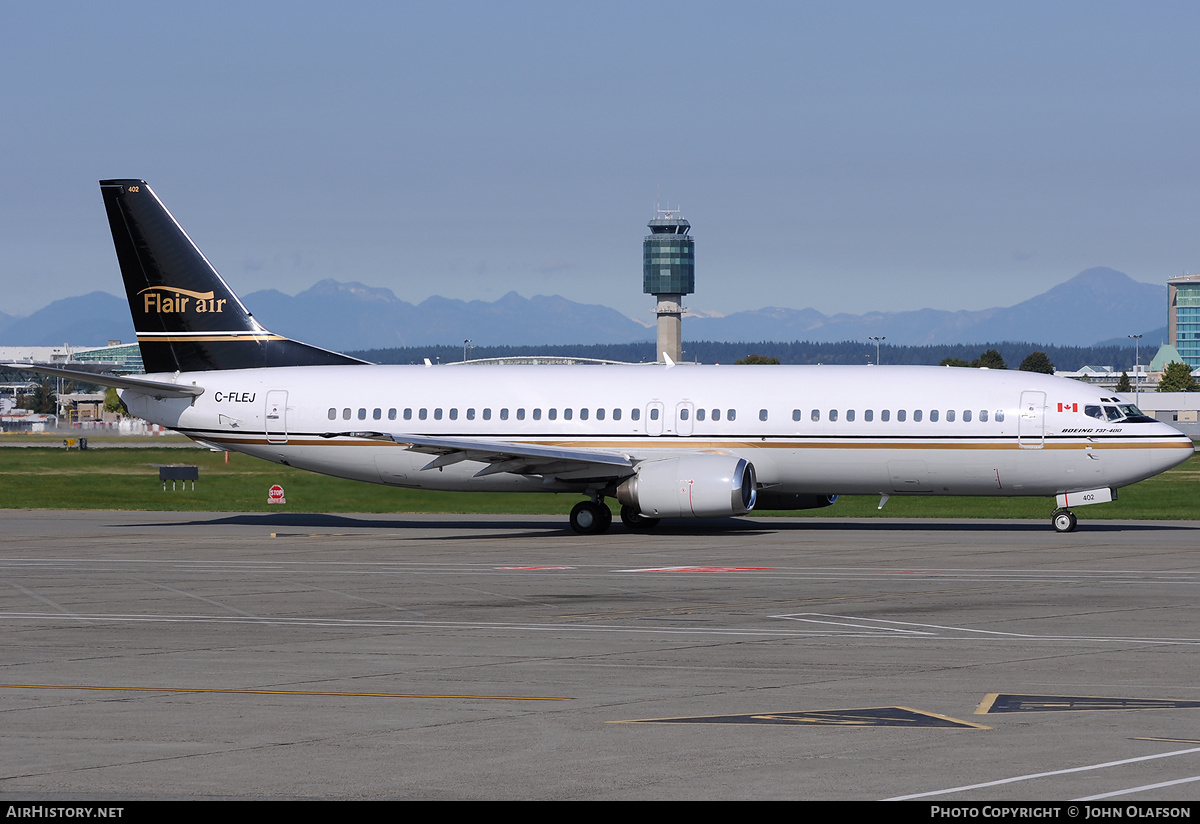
x,y
187,319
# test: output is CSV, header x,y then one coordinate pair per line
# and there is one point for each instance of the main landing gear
x,y
591,517
594,517
1063,520
635,521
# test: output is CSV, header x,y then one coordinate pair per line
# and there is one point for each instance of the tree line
x,y
1069,358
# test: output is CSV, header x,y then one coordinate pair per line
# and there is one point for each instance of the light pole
x,y
877,340
1137,369
466,343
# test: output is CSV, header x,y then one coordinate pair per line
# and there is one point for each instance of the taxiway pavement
x,y
281,655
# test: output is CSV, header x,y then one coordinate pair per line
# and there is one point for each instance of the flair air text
x,y
164,300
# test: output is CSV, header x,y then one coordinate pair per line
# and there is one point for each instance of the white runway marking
x,y
397,624
881,626
1140,789
1032,776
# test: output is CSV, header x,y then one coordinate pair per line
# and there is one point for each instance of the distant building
x,y
121,359
1166,354
1105,376
1183,317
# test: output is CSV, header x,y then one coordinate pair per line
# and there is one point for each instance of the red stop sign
x,y
275,495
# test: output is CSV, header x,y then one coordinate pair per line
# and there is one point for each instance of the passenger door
x,y
1031,423
276,416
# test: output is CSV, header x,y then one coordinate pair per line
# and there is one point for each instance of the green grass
x,y
54,478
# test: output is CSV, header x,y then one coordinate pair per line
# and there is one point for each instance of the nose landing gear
x,y
1063,521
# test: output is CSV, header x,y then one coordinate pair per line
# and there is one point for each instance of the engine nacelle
x,y
694,486
768,499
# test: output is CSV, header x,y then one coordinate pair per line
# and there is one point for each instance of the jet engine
x,y
693,486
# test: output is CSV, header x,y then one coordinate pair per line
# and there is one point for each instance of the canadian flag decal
x,y
1068,407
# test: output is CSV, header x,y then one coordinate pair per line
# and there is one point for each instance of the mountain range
x,y
1096,305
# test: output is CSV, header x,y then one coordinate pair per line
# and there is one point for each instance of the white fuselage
x,y
806,429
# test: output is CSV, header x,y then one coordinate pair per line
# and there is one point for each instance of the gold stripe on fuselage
x,y
671,442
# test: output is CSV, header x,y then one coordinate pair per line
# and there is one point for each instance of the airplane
x,y
666,440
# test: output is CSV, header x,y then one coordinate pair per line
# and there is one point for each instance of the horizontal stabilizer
x,y
155,389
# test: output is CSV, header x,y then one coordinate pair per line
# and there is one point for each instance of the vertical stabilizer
x,y
187,318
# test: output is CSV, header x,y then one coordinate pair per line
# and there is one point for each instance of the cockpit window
x,y
1133,414
1126,413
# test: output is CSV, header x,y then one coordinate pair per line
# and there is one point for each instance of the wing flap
x,y
508,456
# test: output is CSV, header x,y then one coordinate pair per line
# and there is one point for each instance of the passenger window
x,y
470,413
833,414
635,414
362,414
999,416
568,414
917,415
901,415
699,414
731,415
504,413
850,415
966,416
552,414
950,416
815,415
683,414
716,415
537,414
617,414
983,416
600,414
654,414
423,414
796,415
521,414
437,414
332,414
762,414
392,414
583,414
868,415
377,414
487,413
454,413
408,414
933,416
346,414
885,415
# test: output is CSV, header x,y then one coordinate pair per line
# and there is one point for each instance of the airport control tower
x,y
669,273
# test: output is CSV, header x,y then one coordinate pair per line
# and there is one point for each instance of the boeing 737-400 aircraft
x,y
667,441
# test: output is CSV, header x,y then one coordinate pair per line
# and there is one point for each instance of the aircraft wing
x,y
507,456
156,389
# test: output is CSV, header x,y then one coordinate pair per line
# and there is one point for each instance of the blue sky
x,y
844,156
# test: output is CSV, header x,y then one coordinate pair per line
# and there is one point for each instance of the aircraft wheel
x,y
587,518
636,521
1064,521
